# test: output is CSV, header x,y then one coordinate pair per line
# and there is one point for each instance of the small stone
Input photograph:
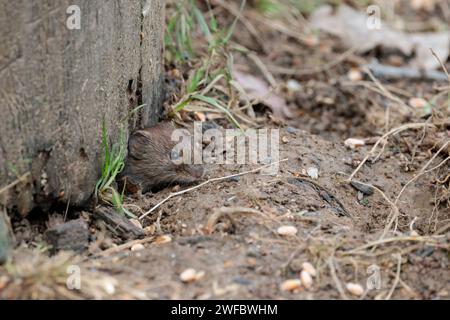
x,y
308,267
354,143
355,289
367,189
137,247
234,179
292,130
290,285
313,173
287,231
360,196
293,85
306,279
284,139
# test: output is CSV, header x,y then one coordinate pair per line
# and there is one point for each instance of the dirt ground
x,y
244,257
228,230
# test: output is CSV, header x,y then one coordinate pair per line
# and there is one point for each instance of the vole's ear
x,y
137,144
165,126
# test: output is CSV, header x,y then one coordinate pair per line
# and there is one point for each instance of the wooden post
x,y
64,66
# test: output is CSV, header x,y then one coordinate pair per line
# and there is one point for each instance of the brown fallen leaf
x,y
258,89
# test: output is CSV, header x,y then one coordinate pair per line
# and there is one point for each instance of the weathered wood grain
x,y
57,84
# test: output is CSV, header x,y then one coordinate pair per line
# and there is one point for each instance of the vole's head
x,y
155,161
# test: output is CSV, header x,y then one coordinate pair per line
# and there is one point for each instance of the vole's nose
x,y
197,171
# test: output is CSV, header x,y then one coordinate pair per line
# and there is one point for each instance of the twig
x,y
397,277
392,204
393,73
440,62
336,279
269,77
319,190
386,91
404,284
443,229
422,172
392,132
388,240
206,182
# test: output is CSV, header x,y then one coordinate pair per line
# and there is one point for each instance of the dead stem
x,y
338,283
429,239
392,132
397,277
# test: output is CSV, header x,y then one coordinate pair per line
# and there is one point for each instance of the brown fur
x,y
148,164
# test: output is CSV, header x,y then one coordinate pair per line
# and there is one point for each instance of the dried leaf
x,y
258,89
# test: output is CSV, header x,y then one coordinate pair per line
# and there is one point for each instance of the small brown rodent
x,y
149,164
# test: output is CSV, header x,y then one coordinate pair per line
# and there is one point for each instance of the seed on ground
x,y
287,230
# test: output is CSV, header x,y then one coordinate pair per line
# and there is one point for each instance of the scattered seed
x,y
109,285
191,275
290,285
354,143
306,279
355,289
308,267
354,75
163,239
188,275
137,247
287,230
284,139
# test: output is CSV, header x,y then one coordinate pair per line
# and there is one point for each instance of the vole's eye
x,y
174,155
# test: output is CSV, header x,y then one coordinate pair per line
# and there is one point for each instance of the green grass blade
x,y
213,102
